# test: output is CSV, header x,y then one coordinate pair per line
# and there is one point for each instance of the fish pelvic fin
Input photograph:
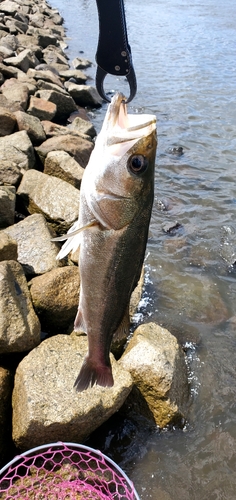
x,y
92,373
72,238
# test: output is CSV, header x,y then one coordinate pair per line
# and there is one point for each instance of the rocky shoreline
x,y
46,139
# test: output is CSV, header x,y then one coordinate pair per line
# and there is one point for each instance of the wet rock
x,y
84,95
60,164
78,76
41,108
19,325
53,197
8,247
16,91
7,205
176,150
172,228
7,120
83,126
196,299
32,125
64,102
77,147
157,365
55,297
80,63
24,60
39,418
36,252
6,386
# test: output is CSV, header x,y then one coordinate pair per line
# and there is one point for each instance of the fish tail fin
x,y
93,373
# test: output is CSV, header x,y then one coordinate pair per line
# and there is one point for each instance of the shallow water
x,y
184,57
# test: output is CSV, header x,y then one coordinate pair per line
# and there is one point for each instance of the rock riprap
x,y
46,140
19,325
46,408
157,365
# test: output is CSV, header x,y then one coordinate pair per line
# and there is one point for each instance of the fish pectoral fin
x,y
122,331
72,233
72,238
93,373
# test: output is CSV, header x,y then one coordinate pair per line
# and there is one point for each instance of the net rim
x,y
75,446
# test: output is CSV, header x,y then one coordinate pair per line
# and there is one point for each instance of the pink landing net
x,y
64,471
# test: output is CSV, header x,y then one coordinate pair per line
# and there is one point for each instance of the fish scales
x,y
116,199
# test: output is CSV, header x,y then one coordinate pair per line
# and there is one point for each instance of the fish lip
x,y
110,196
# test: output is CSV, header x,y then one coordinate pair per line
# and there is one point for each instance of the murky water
x,y
184,57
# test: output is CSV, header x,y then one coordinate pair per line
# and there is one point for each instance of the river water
x,y
184,58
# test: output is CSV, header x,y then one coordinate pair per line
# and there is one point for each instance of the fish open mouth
x,y
120,126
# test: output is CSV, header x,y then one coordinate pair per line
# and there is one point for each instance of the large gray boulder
x,y
60,164
56,199
36,252
19,325
46,408
157,365
17,148
55,297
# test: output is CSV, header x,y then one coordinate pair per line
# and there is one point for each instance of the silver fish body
x,y
116,199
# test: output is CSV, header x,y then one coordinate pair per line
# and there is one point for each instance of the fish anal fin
x,y
79,324
93,373
122,331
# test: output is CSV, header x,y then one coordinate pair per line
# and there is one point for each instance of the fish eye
x,y
137,164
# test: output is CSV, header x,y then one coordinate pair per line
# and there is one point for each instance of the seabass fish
x,y
116,200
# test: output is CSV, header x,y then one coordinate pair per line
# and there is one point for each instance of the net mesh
x,y
64,472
